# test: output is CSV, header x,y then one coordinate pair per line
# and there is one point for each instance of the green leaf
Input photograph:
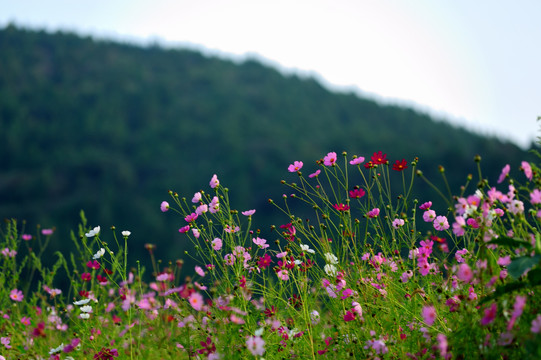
x,y
534,276
519,265
512,243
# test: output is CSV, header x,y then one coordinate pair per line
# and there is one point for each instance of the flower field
x,y
373,272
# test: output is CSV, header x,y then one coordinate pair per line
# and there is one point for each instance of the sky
x,y
476,64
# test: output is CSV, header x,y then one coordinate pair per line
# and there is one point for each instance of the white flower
x,y
81,302
126,233
84,316
56,350
99,254
258,332
93,232
331,258
86,308
330,270
307,249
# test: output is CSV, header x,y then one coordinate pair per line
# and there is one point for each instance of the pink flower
x,y
442,344
527,170
196,197
199,271
191,217
201,209
429,314
255,344
373,213
296,166
518,308
261,243
214,205
441,223
464,273
214,182
504,173
489,314
229,259
164,206
16,295
426,205
283,274
330,159
26,237
184,229
429,215
248,212
341,207
535,197
217,244
357,161
398,223
47,231
315,174
196,301
536,325
504,261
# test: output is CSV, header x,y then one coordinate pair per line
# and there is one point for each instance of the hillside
x,y
110,128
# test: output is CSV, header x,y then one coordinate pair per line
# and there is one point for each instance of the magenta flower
x,y
264,261
341,207
184,229
527,170
330,159
191,217
429,314
357,161
373,213
357,193
426,205
214,182
164,206
86,276
489,314
441,223
296,166
349,316
315,174
93,264
504,173
464,273
16,295
26,237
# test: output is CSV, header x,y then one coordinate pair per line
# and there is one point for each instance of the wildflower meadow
x,y
370,271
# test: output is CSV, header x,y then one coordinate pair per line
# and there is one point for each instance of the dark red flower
x,y
264,261
400,165
270,312
106,354
208,347
369,165
39,330
379,158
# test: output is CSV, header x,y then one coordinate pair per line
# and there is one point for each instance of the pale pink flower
x,y
229,259
516,207
441,223
196,233
262,243
504,260
217,244
536,325
196,301
214,182
47,232
504,173
357,161
199,270
442,344
248,212
214,205
330,159
196,197
296,166
429,215
535,197
518,308
164,206
527,170
201,209
397,223
283,274
429,314
255,344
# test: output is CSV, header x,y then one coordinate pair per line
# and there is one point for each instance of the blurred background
x,y
105,106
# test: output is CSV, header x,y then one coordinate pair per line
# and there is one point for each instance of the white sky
x,y
475,63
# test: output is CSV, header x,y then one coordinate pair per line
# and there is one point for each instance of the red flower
x,y
379,158
208,347
39,330
106,354
369,165
341,207
400,165
264,261
270,312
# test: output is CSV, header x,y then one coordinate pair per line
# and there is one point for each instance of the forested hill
x,y
110,128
